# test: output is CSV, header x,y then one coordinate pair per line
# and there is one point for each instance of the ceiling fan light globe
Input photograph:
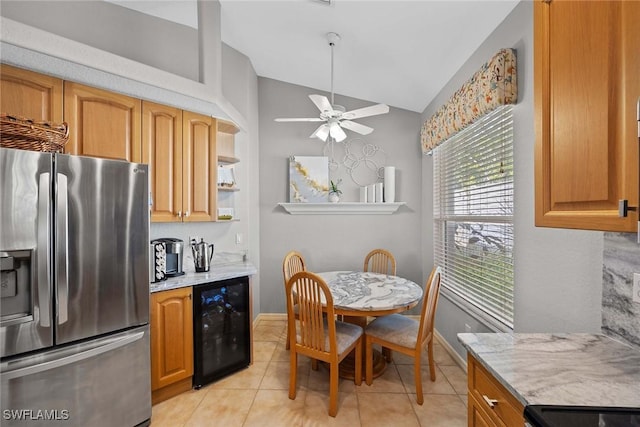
x,y
321,133
336,132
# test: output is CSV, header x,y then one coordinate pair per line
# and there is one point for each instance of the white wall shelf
x,y
341,208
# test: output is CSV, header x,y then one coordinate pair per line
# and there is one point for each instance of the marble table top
x,y
365,291
560,369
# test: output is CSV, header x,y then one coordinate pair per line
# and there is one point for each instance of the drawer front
x,y
492,397
477,417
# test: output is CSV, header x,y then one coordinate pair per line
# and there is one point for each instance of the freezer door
x,y
26,321
102,246
99,383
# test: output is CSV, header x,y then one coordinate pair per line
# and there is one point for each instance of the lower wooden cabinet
x,y
490,403
476,415
171,343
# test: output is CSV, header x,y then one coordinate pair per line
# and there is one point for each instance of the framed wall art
x,y
308,179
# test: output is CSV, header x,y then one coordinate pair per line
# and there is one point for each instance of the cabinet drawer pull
x,y
491,402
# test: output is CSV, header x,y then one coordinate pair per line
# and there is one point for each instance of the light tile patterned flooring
x,y
258,395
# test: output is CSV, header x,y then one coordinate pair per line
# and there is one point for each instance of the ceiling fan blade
x,y
322,132
356,127
309,119
366,111
336,132
321,102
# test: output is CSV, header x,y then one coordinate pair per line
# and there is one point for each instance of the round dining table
x,y
360,294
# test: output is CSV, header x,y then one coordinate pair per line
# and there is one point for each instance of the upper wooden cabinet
x,y
199,170
180,148
102,123
162,150
586,87
32,95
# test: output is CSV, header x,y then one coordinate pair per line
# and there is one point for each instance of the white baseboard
x,y
454,354
269,316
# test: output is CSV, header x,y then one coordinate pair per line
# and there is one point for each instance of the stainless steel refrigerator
x,y
74,313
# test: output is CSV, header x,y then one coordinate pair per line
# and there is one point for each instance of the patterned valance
x,y
494,84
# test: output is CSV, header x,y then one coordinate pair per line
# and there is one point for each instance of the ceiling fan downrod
x,y
333,39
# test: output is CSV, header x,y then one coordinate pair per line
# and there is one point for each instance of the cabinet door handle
x,y
624,208
186,214
491,402
179,214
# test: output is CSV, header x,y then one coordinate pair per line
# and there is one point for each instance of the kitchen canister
x,y
378,192
389,184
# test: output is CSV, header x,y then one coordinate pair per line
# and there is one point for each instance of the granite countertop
x,y
560,369
224,266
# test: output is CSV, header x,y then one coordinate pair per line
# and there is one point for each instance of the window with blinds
x,y
473,216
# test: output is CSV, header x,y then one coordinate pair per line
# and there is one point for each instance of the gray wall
x,y
111,32
124,32
332,242
558,273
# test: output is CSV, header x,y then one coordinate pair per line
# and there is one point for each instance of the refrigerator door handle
x,y
72,358
42,249
62,213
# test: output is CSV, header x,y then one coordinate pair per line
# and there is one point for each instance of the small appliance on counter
x,y
202,254
157,261
173,257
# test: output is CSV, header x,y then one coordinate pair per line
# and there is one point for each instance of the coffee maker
x,y
173,252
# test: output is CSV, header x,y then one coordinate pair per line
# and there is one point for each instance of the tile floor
x,y
258,395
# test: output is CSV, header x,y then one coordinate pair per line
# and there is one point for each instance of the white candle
x,y
389,184
363,194
378,192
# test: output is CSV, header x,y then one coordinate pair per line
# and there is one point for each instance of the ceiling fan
x,y
335,116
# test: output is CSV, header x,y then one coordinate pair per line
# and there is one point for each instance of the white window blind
x,y
473,216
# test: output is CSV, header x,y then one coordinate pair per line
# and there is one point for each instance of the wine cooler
x,y
221,322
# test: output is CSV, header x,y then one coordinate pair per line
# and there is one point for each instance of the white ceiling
x,y
396,52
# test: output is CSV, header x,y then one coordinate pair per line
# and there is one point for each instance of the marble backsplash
x,y
620,315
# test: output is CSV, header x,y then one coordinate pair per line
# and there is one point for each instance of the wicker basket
x,y
27,134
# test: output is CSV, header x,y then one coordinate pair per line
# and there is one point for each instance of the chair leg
x,y
418,379
432,366
287,345
314,364
333,389
368,357
388,355
293,372
358,374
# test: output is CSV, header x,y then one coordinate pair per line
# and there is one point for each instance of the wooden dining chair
x,y
293,263
406,335
380,261
319,337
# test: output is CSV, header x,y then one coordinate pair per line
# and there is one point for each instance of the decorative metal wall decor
x,y
362,161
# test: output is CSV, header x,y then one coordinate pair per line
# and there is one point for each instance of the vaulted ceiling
x,y
396,52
